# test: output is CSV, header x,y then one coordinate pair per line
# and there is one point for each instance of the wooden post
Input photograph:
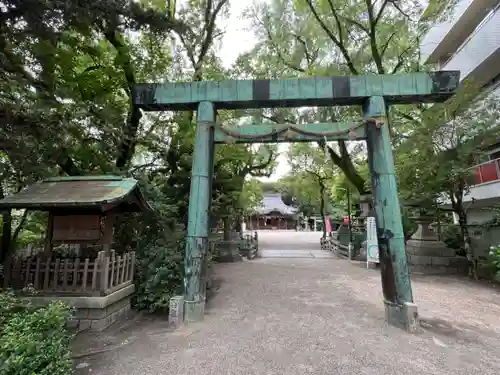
x,y
103,263
48,235
132,266
107,238
199,204
85,274
7,278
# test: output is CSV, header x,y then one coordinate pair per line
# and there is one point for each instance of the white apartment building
x,y
469,41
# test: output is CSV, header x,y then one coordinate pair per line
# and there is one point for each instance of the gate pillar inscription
x,y
398,299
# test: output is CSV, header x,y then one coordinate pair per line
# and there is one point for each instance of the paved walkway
x,y
315,316
291,244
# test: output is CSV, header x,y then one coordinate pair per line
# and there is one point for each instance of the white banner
x,y
371,241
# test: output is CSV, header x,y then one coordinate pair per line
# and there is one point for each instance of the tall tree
x,y
309,164
338,37
450,139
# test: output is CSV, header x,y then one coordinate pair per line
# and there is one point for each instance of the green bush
x,y
450,235
495,257
34,341
158,241
409,224
160,270
9,306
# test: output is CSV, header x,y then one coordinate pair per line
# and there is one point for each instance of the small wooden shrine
x,y
81,210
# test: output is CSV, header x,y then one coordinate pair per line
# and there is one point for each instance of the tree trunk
x,y
352,175
6,230
464,233
344,162
227,228
6,235
237,224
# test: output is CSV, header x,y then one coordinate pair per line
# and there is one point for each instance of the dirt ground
x,y
310,316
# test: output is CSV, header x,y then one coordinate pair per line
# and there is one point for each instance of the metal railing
x,y
486,172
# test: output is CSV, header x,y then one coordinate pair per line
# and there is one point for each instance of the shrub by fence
x,y
34,340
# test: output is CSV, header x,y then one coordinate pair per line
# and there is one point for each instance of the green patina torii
x,y
374,93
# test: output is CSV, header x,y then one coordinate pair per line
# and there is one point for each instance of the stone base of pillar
x,y
194,311
403,316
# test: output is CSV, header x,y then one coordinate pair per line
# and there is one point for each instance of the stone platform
x,y
94,313
428,255
437,265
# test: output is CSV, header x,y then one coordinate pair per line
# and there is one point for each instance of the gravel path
x,y
317,316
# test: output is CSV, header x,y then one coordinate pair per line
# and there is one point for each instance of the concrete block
x,y
81,313
460,262
194,311
112,308
429,248
99,325
72,323
84,324
410,250
122,303
119,314
85,302
412,321
112,319
420,260
125,312
403,316
440,261
176,311
96,314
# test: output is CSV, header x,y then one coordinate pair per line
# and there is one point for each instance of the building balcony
x,y
487,172
486,182
479,56
484,187
444,39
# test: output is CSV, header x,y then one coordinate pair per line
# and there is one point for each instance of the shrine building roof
x,y
274,203
101,193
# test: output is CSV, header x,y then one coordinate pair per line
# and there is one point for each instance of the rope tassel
x,y
352,134
289,134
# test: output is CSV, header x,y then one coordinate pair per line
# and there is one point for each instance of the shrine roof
x,y
81,192
274,203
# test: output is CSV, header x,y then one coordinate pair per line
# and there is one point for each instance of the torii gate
x,y
373,92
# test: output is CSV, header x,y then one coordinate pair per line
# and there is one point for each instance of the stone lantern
x,y
366,206
426,253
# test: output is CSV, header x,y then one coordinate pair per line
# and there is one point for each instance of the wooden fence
x,y
100,276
